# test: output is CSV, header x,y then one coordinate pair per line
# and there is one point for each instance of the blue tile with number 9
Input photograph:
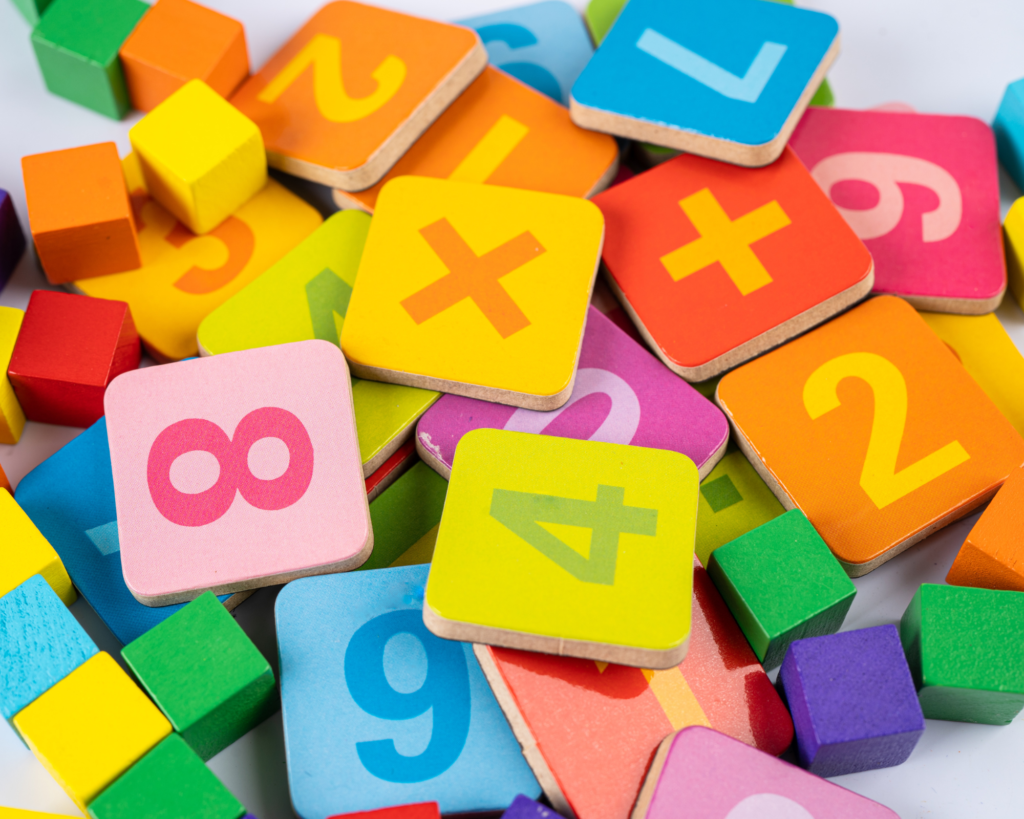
x,y
378,711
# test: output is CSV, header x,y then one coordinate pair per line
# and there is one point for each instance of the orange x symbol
x,y
473,277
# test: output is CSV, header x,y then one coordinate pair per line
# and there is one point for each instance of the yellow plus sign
x,y
725,241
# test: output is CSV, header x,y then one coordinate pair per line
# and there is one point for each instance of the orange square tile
x,y
873,429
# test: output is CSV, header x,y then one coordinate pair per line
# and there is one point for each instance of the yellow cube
x,y
91,727
12,419
25,552
1013,230
202,158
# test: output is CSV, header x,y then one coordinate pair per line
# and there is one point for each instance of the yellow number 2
x,y
324,54
879,477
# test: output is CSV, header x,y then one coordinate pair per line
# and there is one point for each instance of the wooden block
x,y
622,395
12,240
68,351
12,416
16,813
306,295
966,651
201,158
177,41
4,482
76,45
91,727
992,557
421,810
171,780
359,673
1009,129
717,264
1013,233
40,642
476,290
719,778
282,409
184,277
522,510
589,729
205,674
600,15
26,553
523,807
503,133
922,192
79,213
853,701
333,125
733,500
873,429
70,497
659,77
31,10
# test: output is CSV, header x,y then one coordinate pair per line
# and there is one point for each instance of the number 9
x,y
445,690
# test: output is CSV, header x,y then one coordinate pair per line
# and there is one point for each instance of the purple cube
x,y
12,240
523,807
853,701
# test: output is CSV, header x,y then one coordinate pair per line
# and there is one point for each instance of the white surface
x,y
942,56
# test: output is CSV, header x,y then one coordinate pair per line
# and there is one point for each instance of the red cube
x,y
68,350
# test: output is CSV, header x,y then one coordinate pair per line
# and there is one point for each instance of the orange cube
x,y
79,213
178,41
992,557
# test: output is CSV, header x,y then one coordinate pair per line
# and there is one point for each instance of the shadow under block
x,y
79,213
69,349
853,701
622,395
871,427
91,727
922,192
716,264
719,778
25,552
12,416
306,295
284,411
992,557
1009,129
419,810
379,78
1013,240
12,240
177,41
202,159
965,648
522,509
205,674
782,584
726,80
475,290
359,675
589,729
76,44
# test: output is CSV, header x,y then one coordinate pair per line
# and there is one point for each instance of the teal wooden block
x,y
77,43
782,584
31,10
965,647
170,782
40,644
205,674
1009,128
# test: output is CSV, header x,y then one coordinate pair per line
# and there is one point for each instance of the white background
x,y
941,56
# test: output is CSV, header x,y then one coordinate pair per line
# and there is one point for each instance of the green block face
x,y
169,781
600,15
965,647
76,44
31,10
205,674
782,584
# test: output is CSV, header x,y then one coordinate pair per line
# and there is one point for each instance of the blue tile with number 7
x,y
378,711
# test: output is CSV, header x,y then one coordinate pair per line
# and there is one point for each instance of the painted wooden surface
x,y
992,557
1009,129
421,810
26,552
1013,231
12,240
406,517
12,416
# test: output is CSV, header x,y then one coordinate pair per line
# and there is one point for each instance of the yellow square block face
x,y
16,813
202,158
12,418
580,548
1013,235
91,727
474,289
25,552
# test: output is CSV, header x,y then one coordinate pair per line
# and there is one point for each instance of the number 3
x,y
879,477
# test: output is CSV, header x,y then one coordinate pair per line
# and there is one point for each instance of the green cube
x,y
205,674
782,584
77,44
965,647
168,782
31,10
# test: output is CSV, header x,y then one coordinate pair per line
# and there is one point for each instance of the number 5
x,y
879,477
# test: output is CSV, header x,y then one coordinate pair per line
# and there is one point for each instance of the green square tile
x,y
782,584
965,647
167,783
76,44
205,674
